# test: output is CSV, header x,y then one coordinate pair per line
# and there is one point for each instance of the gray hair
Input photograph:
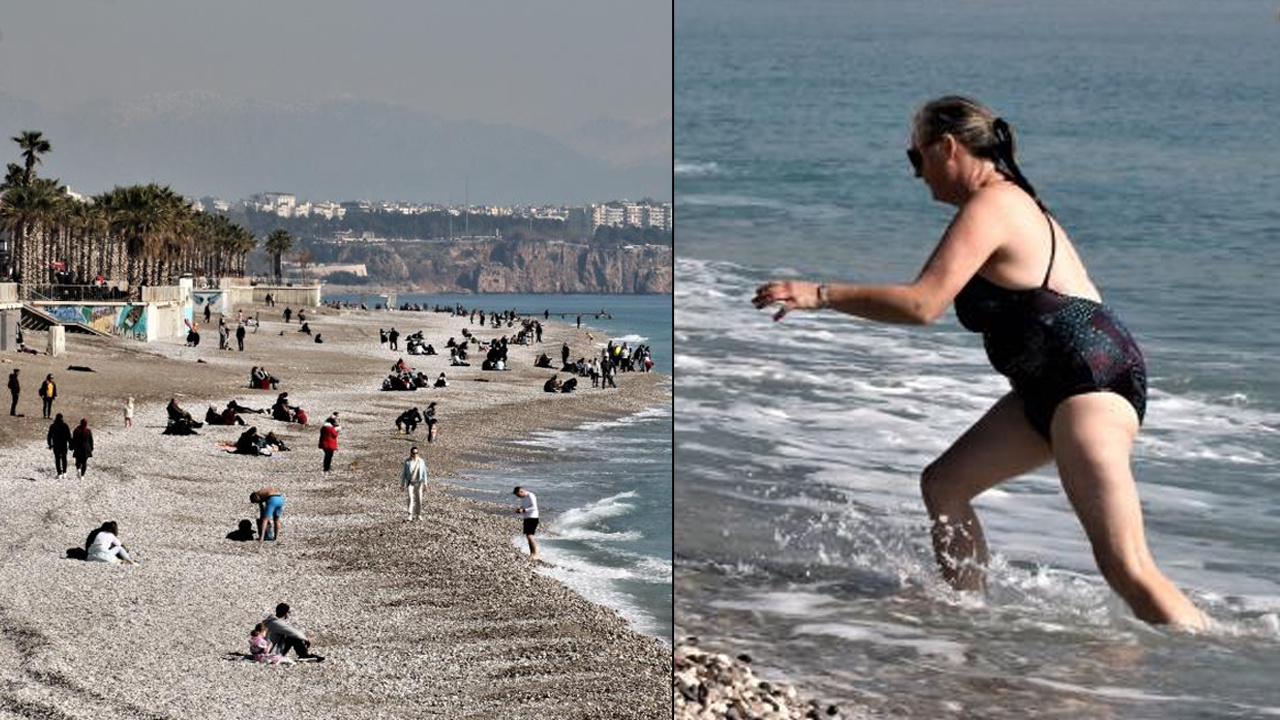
x,y
977,128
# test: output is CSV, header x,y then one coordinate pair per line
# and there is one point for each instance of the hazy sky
x,y
544,64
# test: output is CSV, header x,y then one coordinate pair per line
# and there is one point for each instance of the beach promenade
x,y
443,618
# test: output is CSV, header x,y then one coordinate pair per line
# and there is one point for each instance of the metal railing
x,y
76,293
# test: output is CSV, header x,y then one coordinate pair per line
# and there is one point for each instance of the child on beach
x,y
128,413
260,648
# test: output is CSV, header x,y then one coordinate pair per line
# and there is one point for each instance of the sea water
x,y
603,487
1150,130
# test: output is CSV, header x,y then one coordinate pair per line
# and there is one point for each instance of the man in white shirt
x,y
529,511
412,478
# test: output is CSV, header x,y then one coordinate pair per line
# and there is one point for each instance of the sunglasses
x,y
917,161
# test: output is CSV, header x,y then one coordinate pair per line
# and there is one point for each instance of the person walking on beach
x,y
48,392
412,477
223,335
285,637
1078,379
270,504
82,446
394,338
240,336
529,511
14,389
329,439
429,417
128,413
208,310
59,439
287,314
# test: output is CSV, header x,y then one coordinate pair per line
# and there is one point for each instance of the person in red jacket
x,y
329,439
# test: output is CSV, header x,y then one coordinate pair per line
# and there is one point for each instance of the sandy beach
x,y
442,618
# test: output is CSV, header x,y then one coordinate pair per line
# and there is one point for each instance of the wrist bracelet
x,y
824,296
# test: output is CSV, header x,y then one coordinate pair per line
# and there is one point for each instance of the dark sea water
x,y
605,498
1150,129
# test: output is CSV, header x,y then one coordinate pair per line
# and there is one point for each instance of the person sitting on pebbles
x,y
442,381
285,637
103,545
552,385
260,648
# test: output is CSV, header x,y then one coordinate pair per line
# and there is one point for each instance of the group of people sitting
x,y
251,442
229,415
260,379
554,385
271,640
496,356
403,377
180,421
416,345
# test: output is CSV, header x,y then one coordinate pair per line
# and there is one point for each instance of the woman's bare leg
x,y
1093,435
1000,446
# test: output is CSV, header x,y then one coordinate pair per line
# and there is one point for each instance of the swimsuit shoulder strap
x,y
1053,247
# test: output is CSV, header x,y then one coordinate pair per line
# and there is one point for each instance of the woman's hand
x,y
791,294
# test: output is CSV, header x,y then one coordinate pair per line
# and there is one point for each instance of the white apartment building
x,y
658,216
621,213
329,210
635,214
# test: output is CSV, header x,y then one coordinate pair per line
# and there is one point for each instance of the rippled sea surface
x,y
1149,128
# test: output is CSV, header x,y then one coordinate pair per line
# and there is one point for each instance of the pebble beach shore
x,y
441,618
707,685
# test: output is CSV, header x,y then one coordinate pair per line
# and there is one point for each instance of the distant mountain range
x,y
342,149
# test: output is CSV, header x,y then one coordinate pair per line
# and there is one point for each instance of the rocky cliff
x,y
511,266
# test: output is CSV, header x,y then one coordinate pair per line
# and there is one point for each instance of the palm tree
x,y
33,146
278,243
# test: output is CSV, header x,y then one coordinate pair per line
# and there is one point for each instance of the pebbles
x,y
440,618
708,685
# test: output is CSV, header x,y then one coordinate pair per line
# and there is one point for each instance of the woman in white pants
x,y
104,545
412,478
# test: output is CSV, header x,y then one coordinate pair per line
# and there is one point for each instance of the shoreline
x,y
399,290
443,617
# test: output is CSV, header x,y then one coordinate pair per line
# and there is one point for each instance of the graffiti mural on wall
x,y
133,320
200,298
127,320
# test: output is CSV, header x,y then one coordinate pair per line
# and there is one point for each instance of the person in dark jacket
x,y
48,391
82,446
59,439
240,336
14,389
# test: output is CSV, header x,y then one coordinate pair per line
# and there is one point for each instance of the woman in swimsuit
x,y
1078,378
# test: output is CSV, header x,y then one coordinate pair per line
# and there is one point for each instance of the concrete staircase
x,y
33,318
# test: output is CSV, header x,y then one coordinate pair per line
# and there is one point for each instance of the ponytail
x,y
1003,155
